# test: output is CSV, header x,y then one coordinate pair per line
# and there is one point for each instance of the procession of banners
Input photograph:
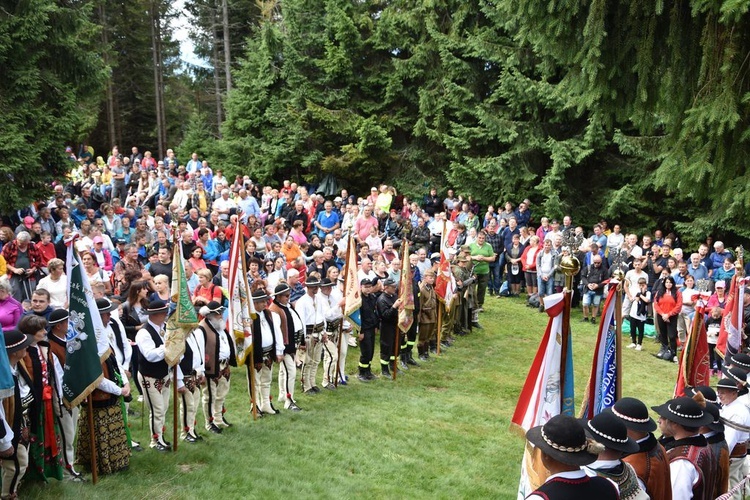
x,y
549,389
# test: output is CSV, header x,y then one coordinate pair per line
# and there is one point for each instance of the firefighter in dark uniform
x,y
387,307
408,340
370,323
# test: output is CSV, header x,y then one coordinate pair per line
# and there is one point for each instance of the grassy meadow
x,y
438,431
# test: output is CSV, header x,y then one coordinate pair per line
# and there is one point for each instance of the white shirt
x,y
684,477
333,310
297,325
197,345
152,353
123,357
5,442
736,412
58,290
311,310
267,337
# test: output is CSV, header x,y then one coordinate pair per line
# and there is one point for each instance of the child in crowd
x,y
637,316
713,324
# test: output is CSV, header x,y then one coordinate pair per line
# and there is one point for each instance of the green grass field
x,y
439,431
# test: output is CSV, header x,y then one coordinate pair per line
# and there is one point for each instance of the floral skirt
x,y
111,441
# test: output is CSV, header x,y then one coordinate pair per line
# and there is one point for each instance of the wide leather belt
x,y
739,450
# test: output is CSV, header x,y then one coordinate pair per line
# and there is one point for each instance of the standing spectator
x,y
513,253
725,271
483,255
719,255
528,263
667,306
546,265
592,277
638,313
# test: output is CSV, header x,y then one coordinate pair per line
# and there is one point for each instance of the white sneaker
x,y
631,346
639,347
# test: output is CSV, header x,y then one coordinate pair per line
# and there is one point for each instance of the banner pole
x,y
92,440
618,338
175,423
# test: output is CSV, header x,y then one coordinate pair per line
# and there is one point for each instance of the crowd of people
x,y
700,454
129,213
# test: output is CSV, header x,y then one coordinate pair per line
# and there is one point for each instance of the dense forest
x,y
633,110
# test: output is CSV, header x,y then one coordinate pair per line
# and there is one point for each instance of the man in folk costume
x,y
292,329
154,373
346,331
45,449
66,419
113,448
690,458
123,351
650,461
564,449
334,315
312,311
370,322
714,434
427,317
736,418
17,410
193,368
387,307
268,347
218,348
609,431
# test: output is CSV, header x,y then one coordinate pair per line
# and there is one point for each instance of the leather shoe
x,y
212,428
270,410
223,422
311,391
197,437
190,439
476,325
161,447
363,378
293,407
136,446
330,387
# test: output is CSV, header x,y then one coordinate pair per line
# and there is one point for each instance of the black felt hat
x,y
563,439
58,316
708,393
157,306
740,360
684,411
735,373
105,305
634,414
607,429
717,425
260,294
15,340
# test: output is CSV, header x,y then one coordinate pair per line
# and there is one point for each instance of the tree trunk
x,y
156,51
217,83
227,58
110,93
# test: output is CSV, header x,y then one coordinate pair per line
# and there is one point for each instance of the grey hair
x,y
5,284
23,236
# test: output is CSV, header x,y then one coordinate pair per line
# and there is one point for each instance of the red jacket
x,y
666,304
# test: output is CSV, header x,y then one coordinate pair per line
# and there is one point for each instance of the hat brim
x,y
262,297
534,435
23,345
629,446
110,308
663,411
150,312
649,426
58,321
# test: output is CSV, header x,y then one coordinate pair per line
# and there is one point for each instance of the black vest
x,y
160,369
258,337
186,363
577,489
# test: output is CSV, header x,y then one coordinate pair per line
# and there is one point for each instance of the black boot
x,y
385,371
402,361
661,351
410,359
424,353
370,375
433,347
363,375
